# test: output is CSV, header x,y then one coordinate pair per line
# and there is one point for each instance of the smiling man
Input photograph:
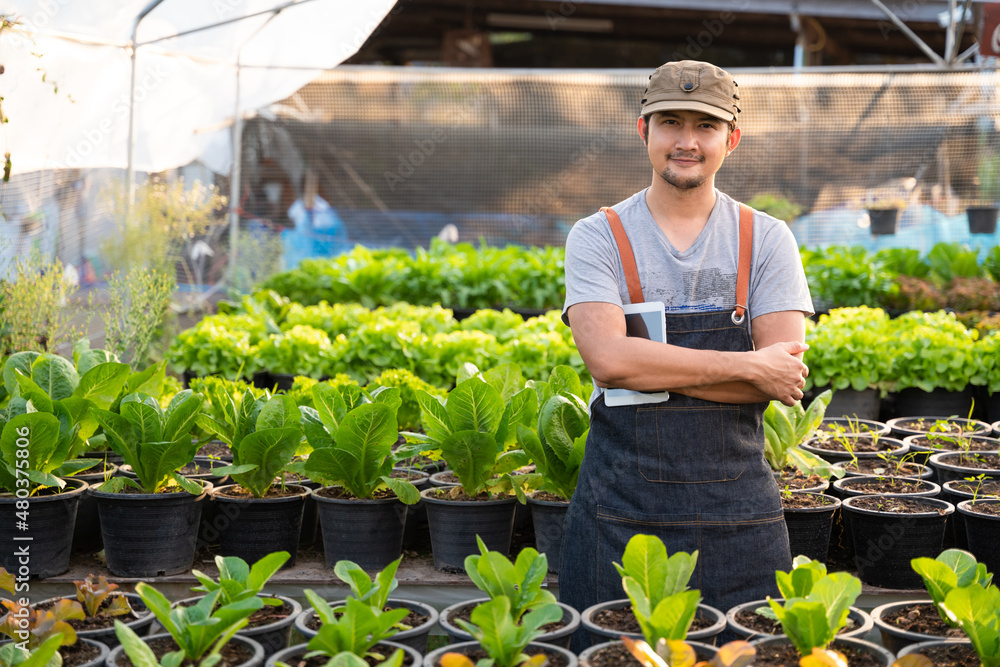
x,y
689,469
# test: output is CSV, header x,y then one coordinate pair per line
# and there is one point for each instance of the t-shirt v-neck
x,y
699,241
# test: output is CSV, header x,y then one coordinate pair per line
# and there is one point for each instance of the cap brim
x,y
688,105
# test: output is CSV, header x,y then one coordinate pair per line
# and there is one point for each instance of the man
x,y
689,469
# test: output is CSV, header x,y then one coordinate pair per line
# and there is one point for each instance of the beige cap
x,y
691,85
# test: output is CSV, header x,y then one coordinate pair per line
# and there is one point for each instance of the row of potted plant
x,y
268,333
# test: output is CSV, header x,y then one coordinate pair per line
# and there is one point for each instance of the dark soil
x,y
923,619
785,655
763,625
447,478
465,613
954,655
217,448
100,622
456,493
408,475
547,497
952,444
802,500
232,653
886,485
239,492
132,491
338,493
988,488
292,478
320,661
78,654
895,505
793,478
989,509
555,659
859,443
876,466
615,655
623,620
975,461
849,431
953,426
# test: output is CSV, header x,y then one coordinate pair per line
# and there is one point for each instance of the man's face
x,y
686,148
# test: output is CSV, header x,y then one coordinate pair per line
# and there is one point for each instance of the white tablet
x,y
645,320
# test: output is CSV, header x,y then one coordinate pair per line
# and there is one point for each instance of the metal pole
x,y
914,37
130,166
957,43
236,169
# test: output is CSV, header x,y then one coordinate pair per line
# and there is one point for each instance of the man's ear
x,y
734,140
643,131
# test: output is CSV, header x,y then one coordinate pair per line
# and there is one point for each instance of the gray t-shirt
x,y
700,279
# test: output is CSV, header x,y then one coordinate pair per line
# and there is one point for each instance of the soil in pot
x,y
413,619
795,480
782,655
321,660
879,466
942,425
623,620
885,485
100,622
554,659
766,626
465,613
932,442
79,653
852,427
951,655
921,618
805,500
976,461
615,655
860,444
217,449
232,653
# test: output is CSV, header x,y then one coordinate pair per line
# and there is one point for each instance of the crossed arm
x,y
772,371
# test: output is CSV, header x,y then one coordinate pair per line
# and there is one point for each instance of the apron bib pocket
x,y
688,444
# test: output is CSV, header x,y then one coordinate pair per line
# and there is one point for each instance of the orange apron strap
x,y
625,252
743,268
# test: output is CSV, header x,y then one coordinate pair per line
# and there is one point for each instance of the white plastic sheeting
x,y
78,116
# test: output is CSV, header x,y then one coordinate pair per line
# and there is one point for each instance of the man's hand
x,y
779,373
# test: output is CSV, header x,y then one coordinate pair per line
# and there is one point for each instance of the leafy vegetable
x,y
813,621
556,448
953,568
494,627
786,428
675,653
976,609
356,631
238,581
92,595
373,592
520,582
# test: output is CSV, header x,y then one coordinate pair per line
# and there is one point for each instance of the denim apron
x,y
690,471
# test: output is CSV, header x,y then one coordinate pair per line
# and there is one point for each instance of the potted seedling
x,y
658,598
353,457
680,654
983,216
45,654
472,428
150,523
196,633
786,429
374,592
521,582
884,214
555,447
266,515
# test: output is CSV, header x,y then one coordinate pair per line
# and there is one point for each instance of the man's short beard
x,y
682,183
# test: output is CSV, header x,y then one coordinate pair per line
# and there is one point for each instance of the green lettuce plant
x,y
45,655
357,629
153,441
812,622
374,592
353,448
474,424
786,428
953,568
657,585
520,582
239,581
503,639
200,630
223,345
408,415
848,349
932,351
301,350
976,609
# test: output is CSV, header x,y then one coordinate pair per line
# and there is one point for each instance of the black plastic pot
x,y
982,532
883,220
433,658
272,637
290,655
600,633
850,403
140,625
703,652
256,661
845,487
900,429
37,537
926,472
896,639
885,542
368,532
883,656
982,219
548,516
922,448
149,535
415,637
454,525
960,652
101,658
954,494
853,424
437,481
415,529
809,527
862,621
560,637
949,466
888,446
87,529
259,526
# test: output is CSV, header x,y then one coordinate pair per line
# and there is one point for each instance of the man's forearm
x,y
729,392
